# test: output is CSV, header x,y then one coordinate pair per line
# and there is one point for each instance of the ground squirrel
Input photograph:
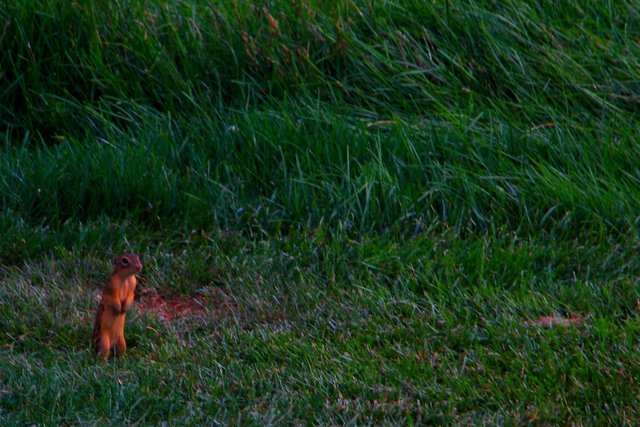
x,y
117,297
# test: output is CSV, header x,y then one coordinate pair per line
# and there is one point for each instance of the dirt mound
x,y
214,303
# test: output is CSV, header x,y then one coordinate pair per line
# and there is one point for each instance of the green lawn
x,y
374,204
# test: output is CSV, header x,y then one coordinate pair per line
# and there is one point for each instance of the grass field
x,y
377,206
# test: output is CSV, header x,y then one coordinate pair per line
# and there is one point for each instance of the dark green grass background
x,y
387,191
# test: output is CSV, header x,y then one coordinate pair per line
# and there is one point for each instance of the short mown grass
x,y
390,193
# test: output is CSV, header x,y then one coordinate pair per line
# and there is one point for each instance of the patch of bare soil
x,y
551,321
215,303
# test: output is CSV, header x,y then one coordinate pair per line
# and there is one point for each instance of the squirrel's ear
x,y
115,261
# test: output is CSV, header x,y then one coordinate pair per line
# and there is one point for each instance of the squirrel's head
x,y
127,264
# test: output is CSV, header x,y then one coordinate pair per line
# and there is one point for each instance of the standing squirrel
x,y
117,297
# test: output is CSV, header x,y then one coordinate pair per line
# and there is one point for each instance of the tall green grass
x,y
361,115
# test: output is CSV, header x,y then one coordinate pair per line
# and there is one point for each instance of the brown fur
x,y
117,297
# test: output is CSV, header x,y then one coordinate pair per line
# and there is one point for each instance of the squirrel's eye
x,y
124,261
